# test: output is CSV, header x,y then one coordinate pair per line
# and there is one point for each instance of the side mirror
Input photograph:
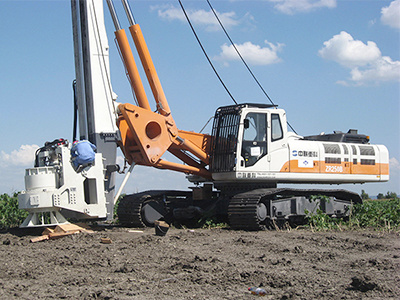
x,y
246,123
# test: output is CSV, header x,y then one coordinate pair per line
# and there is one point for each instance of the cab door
x,y
278,155
254,146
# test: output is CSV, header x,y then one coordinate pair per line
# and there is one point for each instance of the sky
x,y
331,64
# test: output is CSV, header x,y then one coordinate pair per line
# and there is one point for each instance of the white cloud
x,y
365,61
253,54
24,156
291,7
383,69
199,17
343,49
391,14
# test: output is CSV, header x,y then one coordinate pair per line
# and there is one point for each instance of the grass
x,y
377,214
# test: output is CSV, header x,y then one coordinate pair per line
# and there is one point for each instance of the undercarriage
x,y
257,209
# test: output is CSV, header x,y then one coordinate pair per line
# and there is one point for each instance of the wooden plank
x,y
61,231
106,240
56,235
39,238
47,231
68,228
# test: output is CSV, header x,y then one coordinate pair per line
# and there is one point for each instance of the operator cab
x,y
245,136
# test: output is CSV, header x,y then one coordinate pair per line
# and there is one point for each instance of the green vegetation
x,y
364,195
214,223
317,220
10,215
389,195
382,214
115,215
320,222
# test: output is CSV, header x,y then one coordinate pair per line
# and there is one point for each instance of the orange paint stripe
x,y
343,168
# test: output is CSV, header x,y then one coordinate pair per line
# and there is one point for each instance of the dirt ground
x,y
201,264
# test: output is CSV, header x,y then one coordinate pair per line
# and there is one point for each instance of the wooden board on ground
x,y
56,235
47,231
71,227
39,238
61,231
105,241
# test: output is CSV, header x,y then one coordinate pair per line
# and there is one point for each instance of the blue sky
x,y
332,65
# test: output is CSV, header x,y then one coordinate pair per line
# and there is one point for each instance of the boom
x,y
147,135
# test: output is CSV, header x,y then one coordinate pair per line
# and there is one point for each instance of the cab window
x,y
276,127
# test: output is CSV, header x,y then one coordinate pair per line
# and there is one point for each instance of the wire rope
x,y
205,53
242,59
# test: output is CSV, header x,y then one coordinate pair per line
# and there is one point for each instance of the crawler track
x,y
246,211
132,210
242,212
129,210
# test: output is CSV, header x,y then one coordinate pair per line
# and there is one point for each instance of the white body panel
x,y
278,156
60,187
